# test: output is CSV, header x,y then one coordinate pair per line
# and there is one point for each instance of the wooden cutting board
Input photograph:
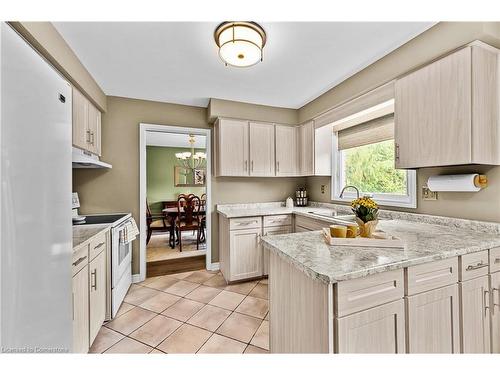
x,y
390,241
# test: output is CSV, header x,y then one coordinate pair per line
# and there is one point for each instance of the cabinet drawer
x,y
495,259
310,223
364,293
277,220
97,245
245,223
80,259
473,265
433,275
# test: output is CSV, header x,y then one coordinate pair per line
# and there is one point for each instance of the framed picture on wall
x,y
199,176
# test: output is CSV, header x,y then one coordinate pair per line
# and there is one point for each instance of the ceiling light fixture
x,y
240,43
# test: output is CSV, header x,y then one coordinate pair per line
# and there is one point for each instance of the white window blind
x,y
373,131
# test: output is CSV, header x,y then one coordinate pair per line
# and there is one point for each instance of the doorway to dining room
x,y
175,192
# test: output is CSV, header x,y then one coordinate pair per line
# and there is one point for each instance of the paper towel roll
x,y
457,182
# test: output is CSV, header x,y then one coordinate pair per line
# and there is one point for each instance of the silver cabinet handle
x,y
397,151
93,276
92,137
486,301
87,137
495,304
252,165
476,267
100,245
246,165
80,260
277,166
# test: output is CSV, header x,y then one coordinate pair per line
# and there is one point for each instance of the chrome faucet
x,y
349,186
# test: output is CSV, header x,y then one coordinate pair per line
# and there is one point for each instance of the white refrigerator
x,y
35,205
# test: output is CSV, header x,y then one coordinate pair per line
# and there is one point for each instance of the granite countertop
x,y
82,234
424,242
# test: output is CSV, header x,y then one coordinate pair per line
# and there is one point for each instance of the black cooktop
x,y
101,219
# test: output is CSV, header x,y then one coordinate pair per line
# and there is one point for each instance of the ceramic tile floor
x,y
190,312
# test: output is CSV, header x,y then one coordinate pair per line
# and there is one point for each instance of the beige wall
x,y
47,40
443,37
228,108
117,190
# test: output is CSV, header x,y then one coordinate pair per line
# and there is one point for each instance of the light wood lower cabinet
x,y
495,312
97,285
81,311
475,315
433,321
377,330
246,254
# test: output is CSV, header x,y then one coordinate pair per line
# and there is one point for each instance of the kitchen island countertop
x,y
424,243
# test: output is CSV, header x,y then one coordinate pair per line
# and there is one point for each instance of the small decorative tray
x,y
379,239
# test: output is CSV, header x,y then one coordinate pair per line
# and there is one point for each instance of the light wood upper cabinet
x,y
447,113
232,147
261,149
81,311
287,155
97,285
86,124
495,312
306,149
323,151
80,104
377,330
433,321
475,315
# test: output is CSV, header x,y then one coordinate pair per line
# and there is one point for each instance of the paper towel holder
x,y
471,182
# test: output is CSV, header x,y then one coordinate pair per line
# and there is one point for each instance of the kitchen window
x,y
363,156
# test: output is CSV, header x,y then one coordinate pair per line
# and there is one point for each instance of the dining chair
x,y
203,220
156,222
188,218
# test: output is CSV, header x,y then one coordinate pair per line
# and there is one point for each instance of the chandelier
x,y
240,43
191,160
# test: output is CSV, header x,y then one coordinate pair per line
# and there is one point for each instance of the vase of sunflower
x,y
366,211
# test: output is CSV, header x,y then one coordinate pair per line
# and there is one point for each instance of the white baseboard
x,y
214,266
137,278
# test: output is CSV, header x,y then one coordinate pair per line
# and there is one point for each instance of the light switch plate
x,y
428,195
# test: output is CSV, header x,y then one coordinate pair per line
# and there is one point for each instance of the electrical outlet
x,y
428,195
323,189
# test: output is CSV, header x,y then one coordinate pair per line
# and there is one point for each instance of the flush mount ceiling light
x,y
240,43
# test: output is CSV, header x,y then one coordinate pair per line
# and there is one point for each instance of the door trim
x,y
143,129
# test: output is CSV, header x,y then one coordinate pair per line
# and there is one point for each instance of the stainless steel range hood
x,y
84,159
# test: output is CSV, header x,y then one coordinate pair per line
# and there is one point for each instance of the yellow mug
x,y
352,231
339,231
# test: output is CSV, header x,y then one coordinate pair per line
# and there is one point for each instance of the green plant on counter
x,y
365,209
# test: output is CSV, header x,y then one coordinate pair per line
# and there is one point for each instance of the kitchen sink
x,y
341,219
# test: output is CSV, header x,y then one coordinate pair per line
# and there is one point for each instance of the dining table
x,y
173,213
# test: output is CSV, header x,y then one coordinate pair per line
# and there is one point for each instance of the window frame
x,y
382,199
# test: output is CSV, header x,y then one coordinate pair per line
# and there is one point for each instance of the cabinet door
x,y
306,149
245,254
433,321
287,155
81,311
269,232
81,134
261,149
433,113
377,330
323,151
232,148
94,125
475,317
495,312
97,284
